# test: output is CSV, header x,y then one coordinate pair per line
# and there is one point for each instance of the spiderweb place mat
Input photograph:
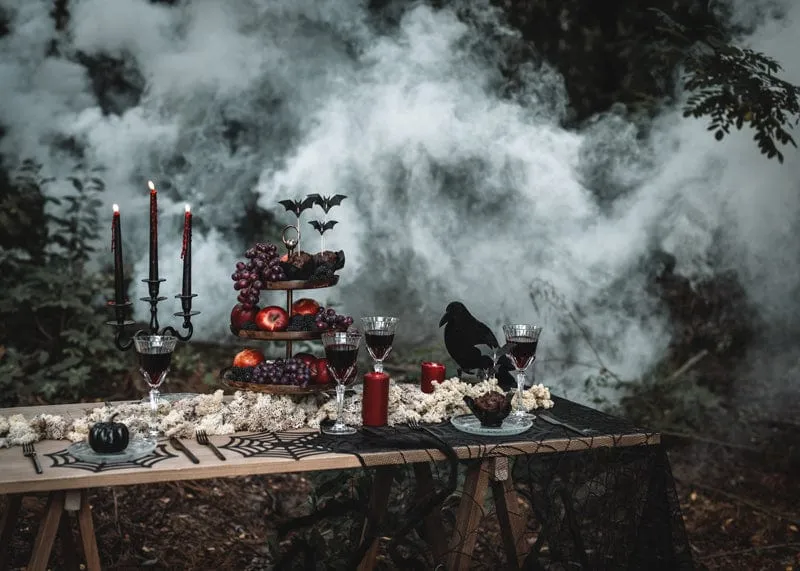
x,y
63,459
287,444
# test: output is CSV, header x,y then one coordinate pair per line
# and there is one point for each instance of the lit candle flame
x,y
188,208
150,185
115,208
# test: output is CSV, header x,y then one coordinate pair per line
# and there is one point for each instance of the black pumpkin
x,y
108,437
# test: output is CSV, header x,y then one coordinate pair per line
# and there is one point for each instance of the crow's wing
x,y
468,357
484,335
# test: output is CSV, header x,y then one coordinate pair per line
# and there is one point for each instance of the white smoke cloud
x,y
454,192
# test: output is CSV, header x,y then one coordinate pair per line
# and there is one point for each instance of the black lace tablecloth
x,y
611,507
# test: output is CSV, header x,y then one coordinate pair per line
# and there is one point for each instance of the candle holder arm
x,y
187,314
120,323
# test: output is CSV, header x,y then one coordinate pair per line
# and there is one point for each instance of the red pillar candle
x,y
375,399
116,247
153,231
186,253
431,372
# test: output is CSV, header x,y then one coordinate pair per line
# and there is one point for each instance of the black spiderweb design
x,y
63,459
289,444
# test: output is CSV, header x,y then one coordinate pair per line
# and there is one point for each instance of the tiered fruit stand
x,y
289,336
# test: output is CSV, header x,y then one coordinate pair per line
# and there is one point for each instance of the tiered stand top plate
x,y
300,284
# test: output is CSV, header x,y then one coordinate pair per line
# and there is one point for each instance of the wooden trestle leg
x,y
55,522
46,535
494,471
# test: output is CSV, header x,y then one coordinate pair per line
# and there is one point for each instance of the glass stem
x,y
520,389
378,365
154,413
339,405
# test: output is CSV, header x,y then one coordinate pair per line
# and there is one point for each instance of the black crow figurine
x,y
462,336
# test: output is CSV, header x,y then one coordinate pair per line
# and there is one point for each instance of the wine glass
x,y
155,355
379,336
523,339
341,351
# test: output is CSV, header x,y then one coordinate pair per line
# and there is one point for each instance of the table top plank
x,y
17,474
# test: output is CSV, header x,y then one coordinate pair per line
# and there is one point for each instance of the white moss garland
x,y
249,411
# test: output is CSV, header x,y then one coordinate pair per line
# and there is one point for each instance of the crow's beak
x,y
445,319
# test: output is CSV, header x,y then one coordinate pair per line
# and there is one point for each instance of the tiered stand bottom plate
x,y
274,389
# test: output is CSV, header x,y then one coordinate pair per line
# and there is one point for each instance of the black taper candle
x,y
119,278
153,232
186,253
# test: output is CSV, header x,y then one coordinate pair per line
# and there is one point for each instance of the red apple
x,y
248,358
240,315
319,372
272,318
305,306
306,358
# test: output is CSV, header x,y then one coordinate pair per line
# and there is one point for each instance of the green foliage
x,y
734,86
54,340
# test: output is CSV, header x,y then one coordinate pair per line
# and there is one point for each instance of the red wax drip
x,y
185,234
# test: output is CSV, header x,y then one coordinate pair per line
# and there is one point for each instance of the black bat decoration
x,y
297,206
322,227
327,202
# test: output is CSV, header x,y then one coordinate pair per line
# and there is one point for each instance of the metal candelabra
x,y
124,343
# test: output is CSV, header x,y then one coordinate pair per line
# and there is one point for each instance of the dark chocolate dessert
x,y
491,408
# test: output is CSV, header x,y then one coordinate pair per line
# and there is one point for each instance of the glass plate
x,y
136,449
170,397
471,425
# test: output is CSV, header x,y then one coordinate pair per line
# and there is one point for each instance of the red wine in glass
x,y
379,342
154,364
341,358
522,350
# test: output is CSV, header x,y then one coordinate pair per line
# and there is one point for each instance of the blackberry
x,y
323,273
250,326
240,374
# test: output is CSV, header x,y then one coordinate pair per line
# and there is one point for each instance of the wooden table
x,y
67,487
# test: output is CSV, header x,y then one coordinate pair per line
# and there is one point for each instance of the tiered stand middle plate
x,y
288,337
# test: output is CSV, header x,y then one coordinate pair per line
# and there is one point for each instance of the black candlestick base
x,y
120,323
153,299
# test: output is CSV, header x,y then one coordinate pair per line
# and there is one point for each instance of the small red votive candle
x,y
375,399
431,372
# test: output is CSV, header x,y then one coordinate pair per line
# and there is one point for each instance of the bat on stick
x,y
298,206
323,227
326,202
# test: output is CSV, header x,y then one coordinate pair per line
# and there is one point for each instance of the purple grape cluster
x,y
329,319
263,265
282,372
